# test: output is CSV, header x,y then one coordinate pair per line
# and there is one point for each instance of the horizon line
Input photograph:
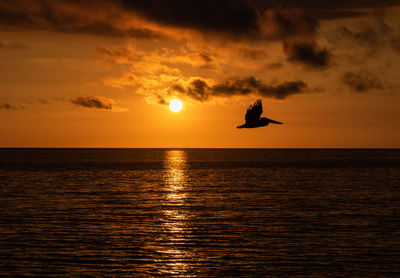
x,y
231,148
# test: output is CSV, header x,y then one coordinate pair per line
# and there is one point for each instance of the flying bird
x,y
253,114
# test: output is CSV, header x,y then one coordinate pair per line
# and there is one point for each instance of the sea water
x,y
200,212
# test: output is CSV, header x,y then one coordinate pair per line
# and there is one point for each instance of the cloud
x,y
8,106
120,55
161,100
128,79
365,35
200,90
102,18
230,19
373,35
308,54
252,85
243,17
284,23
327,5
326,15
362,81
95,102
234,18
226,19
167,57
104,29
157,76
225,16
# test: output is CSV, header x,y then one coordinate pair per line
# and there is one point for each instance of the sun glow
x,y
175,105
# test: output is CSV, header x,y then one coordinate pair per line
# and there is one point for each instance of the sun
x,y
175,105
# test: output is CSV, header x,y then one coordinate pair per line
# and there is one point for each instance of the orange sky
x,y
101,73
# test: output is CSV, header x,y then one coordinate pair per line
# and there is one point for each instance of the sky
x,y
101,73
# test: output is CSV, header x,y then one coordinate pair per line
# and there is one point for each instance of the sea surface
x,y
200,212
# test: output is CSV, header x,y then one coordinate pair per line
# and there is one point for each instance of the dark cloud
x,y
308,54
325,15
234,19
374,35
344,4
93,102
283,23
97,18
362,81
328,9
199,89
218,16
8,106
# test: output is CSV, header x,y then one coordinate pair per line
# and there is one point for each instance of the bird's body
x,y
253,119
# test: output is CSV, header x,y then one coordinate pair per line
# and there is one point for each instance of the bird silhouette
x,y
253,114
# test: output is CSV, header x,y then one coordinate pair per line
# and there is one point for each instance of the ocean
x,y
200,212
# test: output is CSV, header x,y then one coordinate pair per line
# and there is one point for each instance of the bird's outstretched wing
x,y
254,112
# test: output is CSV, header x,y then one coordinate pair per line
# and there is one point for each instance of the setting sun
x,y
175,105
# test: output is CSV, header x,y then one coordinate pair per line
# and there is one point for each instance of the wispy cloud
x,y
95,102
308,54
200,90
9,106
362,81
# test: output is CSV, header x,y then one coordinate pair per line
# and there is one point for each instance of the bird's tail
x,y
240,126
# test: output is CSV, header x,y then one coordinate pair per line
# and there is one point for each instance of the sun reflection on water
x,y
175,218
